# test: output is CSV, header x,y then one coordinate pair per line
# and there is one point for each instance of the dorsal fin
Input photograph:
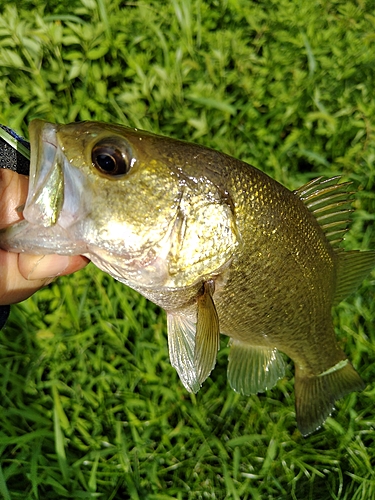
x,y
331,204
352,268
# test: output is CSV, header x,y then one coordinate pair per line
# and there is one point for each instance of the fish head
x,y
140,206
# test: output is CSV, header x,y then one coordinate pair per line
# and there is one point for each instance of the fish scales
x,y
218,244
283,245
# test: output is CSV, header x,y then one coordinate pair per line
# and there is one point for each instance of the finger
x,y
35,267
13,192
76,263
13,286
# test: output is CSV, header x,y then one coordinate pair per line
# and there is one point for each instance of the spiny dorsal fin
x,y
331,204
352,268
207,339
253,369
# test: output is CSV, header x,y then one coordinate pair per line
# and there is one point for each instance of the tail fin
x,y
316,395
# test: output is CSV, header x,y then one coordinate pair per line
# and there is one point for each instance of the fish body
x,y
218,244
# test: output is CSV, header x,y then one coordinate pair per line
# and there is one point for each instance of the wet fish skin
x,y
222,247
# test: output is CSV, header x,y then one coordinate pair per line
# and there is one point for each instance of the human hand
x,y
22,274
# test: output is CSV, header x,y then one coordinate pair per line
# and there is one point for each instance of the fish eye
x,y
111,159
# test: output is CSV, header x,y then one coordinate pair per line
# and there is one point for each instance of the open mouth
x,y
46,186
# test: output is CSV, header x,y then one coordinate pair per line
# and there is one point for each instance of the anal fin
x,y
316,395
253,369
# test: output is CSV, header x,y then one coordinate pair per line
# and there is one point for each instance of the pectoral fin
x,y
193,346
253,369
181,343
207,340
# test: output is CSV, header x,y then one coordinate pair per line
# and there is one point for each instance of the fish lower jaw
x,y
25,237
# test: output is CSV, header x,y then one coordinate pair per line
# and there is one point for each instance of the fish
x,y
219,245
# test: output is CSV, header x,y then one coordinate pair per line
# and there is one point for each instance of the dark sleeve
x,y
12,159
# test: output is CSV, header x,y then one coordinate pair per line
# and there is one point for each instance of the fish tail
x,y
316,395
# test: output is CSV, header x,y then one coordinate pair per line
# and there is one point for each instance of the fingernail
x,y
46,266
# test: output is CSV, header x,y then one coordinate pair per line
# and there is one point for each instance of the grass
x,y
91,407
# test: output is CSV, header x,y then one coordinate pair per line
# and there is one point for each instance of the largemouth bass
x,y
218,244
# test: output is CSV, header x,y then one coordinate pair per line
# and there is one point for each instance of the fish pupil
x,y
106,163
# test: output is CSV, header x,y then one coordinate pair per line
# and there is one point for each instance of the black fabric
x,y
4,313
12,159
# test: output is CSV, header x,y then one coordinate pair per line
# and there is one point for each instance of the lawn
x,y
90,405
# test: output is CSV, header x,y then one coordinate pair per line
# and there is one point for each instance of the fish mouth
x,y
53,205
46,184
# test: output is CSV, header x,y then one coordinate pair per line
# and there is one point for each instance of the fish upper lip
x,y
45,175
41,133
